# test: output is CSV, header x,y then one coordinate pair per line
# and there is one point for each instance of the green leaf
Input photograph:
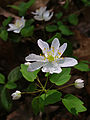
x,y
4,35
57,35
59,15
51,28
86,2
30,76
65,30
73,19
2,79
14,38
51,97
37,105
27,31
14,75
66,5
23,7
4,100
7,21
61,78
29,22
11,85
73,104
31,88
82,66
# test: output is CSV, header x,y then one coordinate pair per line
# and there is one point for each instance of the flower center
x,y
18,24
50,58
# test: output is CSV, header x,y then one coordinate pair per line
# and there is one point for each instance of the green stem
x,y
40,83
65,86
46,82
31,92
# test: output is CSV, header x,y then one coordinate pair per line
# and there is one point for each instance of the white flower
x,y
27,63
79,83
42,14
19,24
51,61
16,95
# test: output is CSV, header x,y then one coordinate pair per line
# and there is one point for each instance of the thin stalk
x,y
31,92
46,82
65,86
40,83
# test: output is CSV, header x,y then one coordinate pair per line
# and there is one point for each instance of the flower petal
x,y
12,27
47,18
62,49
33,57
35,66
44,46
67,62
55,46
17,30
39,18
51,68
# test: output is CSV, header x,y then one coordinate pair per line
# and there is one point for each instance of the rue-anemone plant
x,y
57,71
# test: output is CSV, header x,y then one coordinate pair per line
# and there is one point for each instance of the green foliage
x,y
65,30
86,2
73,104
51,97
30,76
3,34
66,5
82,66
5,100
14,75
62,78
27,31
57,35
11,85
2,79
32,87
51,28
29,22
73,19
14,38
23,7
59,15
37,105
7,21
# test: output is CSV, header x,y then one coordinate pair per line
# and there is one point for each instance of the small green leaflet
x,y
51,97
7,21
2,79
51,28
82,66
4,34
65,30
5,100
14,75
73,104
62,78
30,76
27,31
37,105
73,19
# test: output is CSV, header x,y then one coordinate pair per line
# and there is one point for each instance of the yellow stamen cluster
x,y
18,24
50,56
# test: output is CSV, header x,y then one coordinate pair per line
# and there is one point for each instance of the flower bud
x,y
79,83
16,95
